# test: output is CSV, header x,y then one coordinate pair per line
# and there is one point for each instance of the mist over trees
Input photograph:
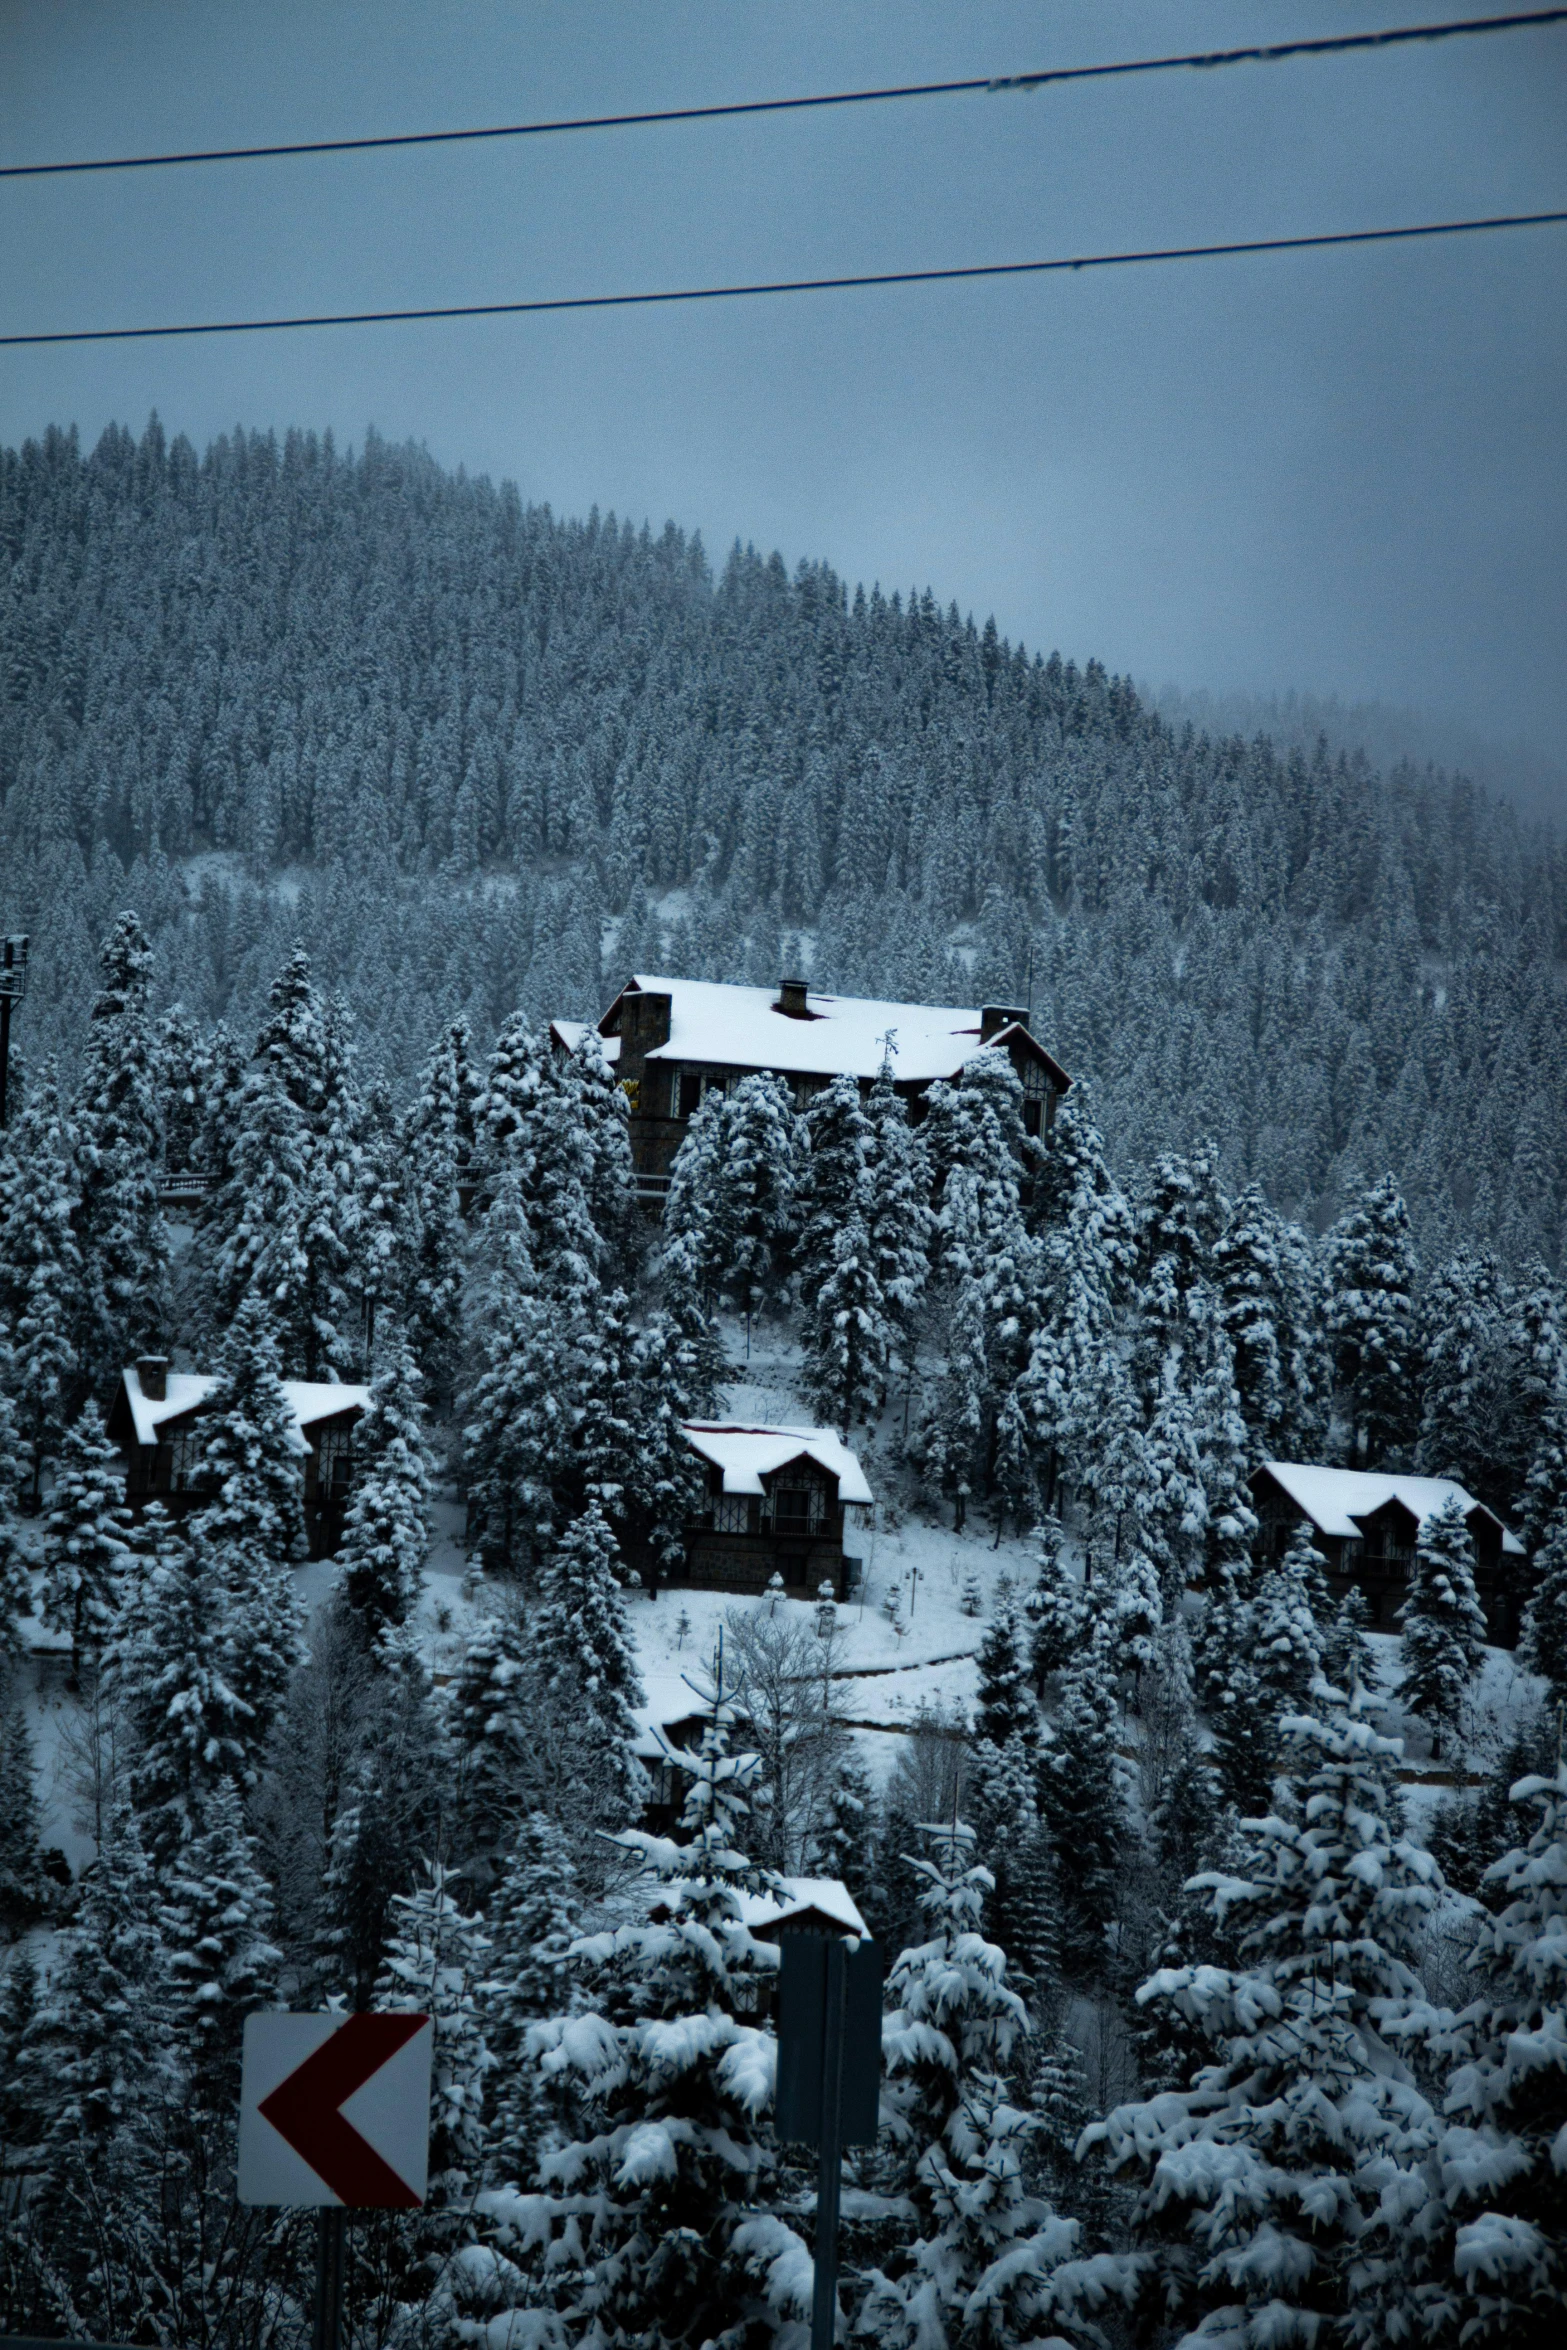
x,y
473,757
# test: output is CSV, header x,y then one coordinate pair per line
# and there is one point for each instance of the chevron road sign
x,y
335,2110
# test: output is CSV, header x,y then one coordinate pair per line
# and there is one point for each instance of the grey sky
x,y
1344,473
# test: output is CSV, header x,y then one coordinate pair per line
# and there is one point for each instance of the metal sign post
x,y
334,2114
829,2079
13,987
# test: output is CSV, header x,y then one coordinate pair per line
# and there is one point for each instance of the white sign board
x,y
335,2109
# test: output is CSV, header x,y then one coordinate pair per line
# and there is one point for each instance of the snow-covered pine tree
x,y
756,1178
86,1537
658,2217
898,1215
16,1582
696,1235
509,1331
493,1726
1444,1631
1467,1409
252,1453
1543,1644
849,1333
1348,1658
838,1145
1079,1793
1286,1641
1539,1340
435,1965
846,1839
215,1917
26,1893
1305,2107
438,1143
1371,1276
1054,1607
1481,2255
599,1107
40,1271
670,1382
1250,1278
173,1665
254,1233
532,1921
582,1641
983,2261
386,1531
1179,1221
121,1235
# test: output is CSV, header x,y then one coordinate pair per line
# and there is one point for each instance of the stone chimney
x,y
153,1372
995,1017
791,999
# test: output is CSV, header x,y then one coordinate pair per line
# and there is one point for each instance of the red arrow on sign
x,y
305,2109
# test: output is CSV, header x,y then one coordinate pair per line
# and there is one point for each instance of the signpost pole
x,y
331,2262
829,2175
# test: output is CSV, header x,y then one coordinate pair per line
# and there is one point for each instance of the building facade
x,y
673,1041
1366,1525
791,1502
155,1419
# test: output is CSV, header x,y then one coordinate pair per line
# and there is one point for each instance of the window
x,y
797,1509
334,1459
183,1452
688,1093
1031,1115
734,1513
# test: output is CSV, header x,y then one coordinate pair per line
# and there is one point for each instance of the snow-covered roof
x,y
746,1455
1335,1499
796,1895
309,1399
570,1034
742,1028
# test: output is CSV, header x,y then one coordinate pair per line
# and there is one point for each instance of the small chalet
x,y
1366,1525
670,1041
779,1501
155,1421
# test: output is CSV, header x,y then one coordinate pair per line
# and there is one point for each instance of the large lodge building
x,y
670,1041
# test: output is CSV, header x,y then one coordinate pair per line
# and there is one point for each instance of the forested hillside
x,y
474,757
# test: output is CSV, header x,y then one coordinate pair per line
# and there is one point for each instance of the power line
x,y
1269,53
795,285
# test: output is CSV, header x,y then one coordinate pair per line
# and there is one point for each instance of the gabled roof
x,y
1338,1500
748,1454
793,1900
309,1400
742,1028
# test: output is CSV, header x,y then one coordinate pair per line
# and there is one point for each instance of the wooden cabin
x,y
779,1501
672,1041
1366,1524
155,1420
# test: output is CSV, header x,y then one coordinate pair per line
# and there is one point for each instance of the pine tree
x,y
86,1537
1250,1281
989,2263
658,2218
846,1842
1475,2245
494,1729
215,1918
40,1272
1348,1658
1079,1795
386,1531
838,1147
438,1144
252,1452
756,1194
899,1220
1539,1339
849,1334
173,1665
532,1923
1466,1403
1543,1645
1054,1607
1371,1272
581,1638
1304,2107
26,1893
435,1965
121,1235
1286,1646
509,1323
1444,1629
696,1210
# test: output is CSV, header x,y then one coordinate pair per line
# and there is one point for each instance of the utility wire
x,y
1270,53
795,285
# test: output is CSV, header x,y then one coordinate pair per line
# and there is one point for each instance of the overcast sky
x,y
1344,473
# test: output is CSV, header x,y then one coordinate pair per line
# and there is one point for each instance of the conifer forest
x,y
1222,1916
